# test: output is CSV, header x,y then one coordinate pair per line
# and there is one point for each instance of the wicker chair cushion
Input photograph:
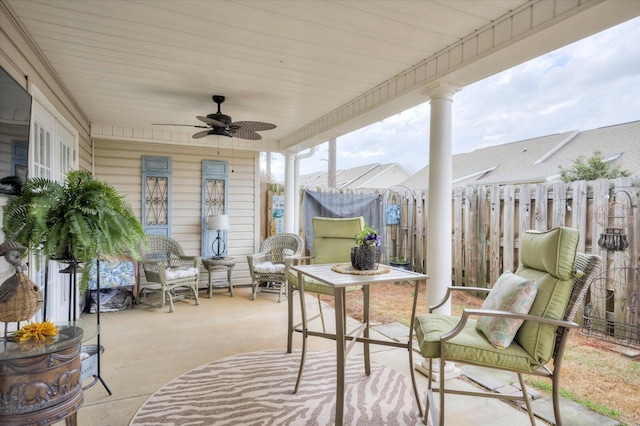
x,y
269,268
174,274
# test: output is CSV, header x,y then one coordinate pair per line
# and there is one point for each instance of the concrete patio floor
x,y
145,348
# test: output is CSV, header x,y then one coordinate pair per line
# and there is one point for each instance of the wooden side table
x,y
40,382
213,264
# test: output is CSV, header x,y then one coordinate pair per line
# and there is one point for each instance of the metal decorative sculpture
x,y
614,217
20,297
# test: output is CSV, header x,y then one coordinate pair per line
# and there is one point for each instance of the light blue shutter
x,y
215,176
156,195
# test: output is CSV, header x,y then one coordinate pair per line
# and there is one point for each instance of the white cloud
x,y
592,83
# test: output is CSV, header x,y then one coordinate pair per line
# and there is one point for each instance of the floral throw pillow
x,y
510,293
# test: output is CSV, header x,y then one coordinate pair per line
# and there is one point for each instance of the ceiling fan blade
x,y
254,126
211,121
185,125
246,134
201,134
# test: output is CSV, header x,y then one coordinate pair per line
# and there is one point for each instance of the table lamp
x,y
218,223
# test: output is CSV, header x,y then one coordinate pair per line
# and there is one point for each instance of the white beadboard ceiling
x,y
317,69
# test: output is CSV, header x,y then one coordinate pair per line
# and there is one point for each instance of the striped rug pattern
x,y
257,389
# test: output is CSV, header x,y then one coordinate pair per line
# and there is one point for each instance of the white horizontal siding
x,y
120,164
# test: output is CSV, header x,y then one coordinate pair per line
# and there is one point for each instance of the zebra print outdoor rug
x,y
257,389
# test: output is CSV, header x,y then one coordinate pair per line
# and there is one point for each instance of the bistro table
x,y
326,273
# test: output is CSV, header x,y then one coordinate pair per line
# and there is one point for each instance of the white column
x,y
289,192
296,187
439,210
268,165
331,166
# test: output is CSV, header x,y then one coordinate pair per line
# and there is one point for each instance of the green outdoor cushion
x,y
315,286
548,258
333,238
469,346
552,251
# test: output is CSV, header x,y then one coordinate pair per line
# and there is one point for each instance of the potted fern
x,y
75,221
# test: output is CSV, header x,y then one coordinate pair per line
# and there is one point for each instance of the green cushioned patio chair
x,y
561,278
333,239
270,266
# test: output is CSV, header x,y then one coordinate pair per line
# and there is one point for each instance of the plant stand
x,y
91,364
90,354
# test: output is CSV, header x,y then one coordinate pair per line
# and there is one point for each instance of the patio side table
x,y
40,381
221,264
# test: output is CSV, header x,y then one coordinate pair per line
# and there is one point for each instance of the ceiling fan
x,y
222,125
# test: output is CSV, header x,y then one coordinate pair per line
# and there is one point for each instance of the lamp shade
x,y
218,222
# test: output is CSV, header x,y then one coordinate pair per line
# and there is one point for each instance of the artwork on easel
x,y
392,214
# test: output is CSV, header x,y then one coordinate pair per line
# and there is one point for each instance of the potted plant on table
x,y
400,262
366,254
76,221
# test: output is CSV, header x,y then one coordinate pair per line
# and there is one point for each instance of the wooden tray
x,y
347,268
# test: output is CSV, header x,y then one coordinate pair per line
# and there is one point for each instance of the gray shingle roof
x,y
538,159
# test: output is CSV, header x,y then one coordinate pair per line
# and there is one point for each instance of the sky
x,y
592,83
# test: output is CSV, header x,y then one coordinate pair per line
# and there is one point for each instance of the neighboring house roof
x,y
374,175
527,161
539,159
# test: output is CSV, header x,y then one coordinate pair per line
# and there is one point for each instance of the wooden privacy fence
x,y
489,219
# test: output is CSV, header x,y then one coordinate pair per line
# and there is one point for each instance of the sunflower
x,y
36,331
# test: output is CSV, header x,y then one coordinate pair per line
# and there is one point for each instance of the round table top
x,y
70,334
224,261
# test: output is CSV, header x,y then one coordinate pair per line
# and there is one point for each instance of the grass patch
x,y
565,393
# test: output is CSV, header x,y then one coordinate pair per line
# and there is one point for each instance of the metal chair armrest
x,y
451,288
467,313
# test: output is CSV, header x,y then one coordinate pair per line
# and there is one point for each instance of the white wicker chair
x,y
168,271
271,264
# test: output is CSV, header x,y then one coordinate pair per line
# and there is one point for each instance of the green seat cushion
x,y
315,286
470,346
